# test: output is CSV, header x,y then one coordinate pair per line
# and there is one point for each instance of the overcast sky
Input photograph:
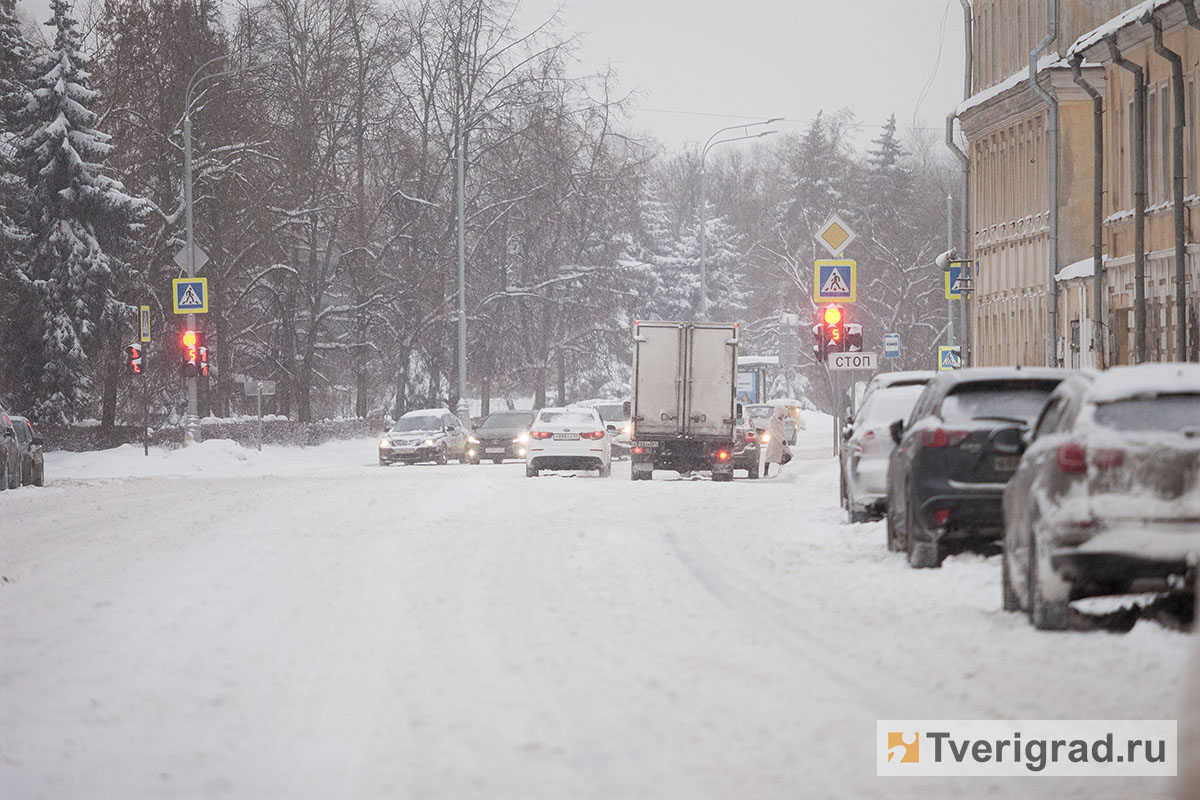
x,y
702,64
710,62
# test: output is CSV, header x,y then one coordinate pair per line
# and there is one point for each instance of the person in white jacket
x,y
778,451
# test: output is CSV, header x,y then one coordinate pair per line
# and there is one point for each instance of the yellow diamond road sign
x,y
835,234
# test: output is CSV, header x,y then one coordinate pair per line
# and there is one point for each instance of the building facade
x,y
1032,246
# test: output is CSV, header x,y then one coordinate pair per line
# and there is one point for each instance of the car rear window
x,y
1019,401
891,403
507,420
566,417
611,412
1173,413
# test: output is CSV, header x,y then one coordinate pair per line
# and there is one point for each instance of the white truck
x,y
683,410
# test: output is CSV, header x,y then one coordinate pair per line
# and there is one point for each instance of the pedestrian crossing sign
x,y
834,281
190,295
949,358
958,280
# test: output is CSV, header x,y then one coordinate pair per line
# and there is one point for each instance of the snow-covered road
x,y
307,624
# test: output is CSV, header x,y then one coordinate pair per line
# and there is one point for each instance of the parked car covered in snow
x,y
884,380
10,458
431,434
32,462
615,414
1106,499
568,439
500,435
746,446
947,473
869,445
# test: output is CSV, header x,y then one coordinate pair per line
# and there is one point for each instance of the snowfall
x,y
300,622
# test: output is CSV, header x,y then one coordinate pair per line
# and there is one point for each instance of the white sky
x,y
770,58
712,62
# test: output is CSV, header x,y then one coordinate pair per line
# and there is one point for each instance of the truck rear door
x,y
658,364
711,375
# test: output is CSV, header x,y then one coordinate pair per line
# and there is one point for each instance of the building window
x,y
1164,136
1152,154
1190,103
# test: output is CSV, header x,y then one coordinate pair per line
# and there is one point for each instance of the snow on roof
x,y
1121,383
422,412
1011,82
758,361
1080,269
1123,20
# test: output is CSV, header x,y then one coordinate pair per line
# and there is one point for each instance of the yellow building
x,y
1033,301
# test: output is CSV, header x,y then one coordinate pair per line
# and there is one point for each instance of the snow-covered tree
x,y
81,221
13,53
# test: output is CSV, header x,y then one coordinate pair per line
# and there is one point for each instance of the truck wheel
x,y
641,472
495,461
3,472
39,475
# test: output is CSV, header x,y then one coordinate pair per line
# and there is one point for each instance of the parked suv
x,y
1106,499
29,453
947,473
10,459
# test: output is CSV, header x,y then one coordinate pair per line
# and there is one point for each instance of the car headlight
x,y
521,439
429,442
766,437
473,439
385,443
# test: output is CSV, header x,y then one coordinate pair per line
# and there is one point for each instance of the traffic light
x,y
835,333
189,367
853,338
202,350
819,347
133,359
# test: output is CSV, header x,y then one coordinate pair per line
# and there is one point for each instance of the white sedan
x,y
570,439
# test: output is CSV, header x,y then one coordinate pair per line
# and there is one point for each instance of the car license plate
x,y
494,450
566,437
1007,463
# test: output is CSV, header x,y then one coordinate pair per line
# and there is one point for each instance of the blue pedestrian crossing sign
x,y
958,280
834,281
891,345
949,358
190,295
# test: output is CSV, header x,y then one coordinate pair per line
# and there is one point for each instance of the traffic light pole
x,y
191,425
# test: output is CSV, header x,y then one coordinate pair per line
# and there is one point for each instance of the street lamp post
x,y
191,428
463,410
710,144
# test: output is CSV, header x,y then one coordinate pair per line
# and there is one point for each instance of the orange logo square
x,y
904,747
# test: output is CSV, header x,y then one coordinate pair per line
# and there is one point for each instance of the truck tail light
x,y
723,455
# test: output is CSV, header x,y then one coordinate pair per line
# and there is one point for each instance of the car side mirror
x,y
450,429
627,409
37,441
611,428
740,409
896,429
1011,439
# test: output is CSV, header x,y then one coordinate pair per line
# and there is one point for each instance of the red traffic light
x,y
833,315
133,359
189,339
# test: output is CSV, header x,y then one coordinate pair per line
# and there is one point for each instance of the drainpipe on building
x,y
1052,147
1139,199
1189,7
1097,210
965,160
1180,113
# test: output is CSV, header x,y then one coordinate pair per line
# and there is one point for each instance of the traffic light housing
x,y
189,366
202,351
819,345
835,328
853,338
133,359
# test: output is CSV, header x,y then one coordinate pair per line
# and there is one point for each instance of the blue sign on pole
x,y
891,345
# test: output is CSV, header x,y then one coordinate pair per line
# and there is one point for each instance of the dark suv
x,y
947,473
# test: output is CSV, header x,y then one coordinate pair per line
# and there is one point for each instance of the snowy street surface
x,y
304,623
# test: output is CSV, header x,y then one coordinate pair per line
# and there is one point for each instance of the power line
x,y
765,116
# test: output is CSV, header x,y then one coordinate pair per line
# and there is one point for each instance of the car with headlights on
x,y
1106,499
500,435
869,445
570,438
947,473
430,434
32,462
615,414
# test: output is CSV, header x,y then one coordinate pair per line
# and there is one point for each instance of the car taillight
x,y
723,455
639,450
540,434
941,437
1107,458
1071,457
940,516
751,436
592,434
864,443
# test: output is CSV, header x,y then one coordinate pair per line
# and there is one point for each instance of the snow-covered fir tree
x,y
81,221
13,53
